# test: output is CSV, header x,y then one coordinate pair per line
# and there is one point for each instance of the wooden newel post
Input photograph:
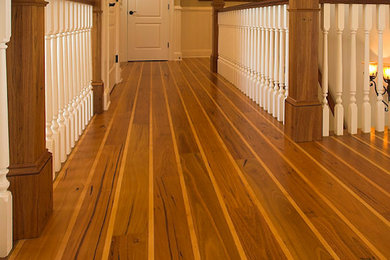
x,y
217,5
97,82
303,109
30,170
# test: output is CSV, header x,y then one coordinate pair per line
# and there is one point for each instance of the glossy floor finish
x,y
184,166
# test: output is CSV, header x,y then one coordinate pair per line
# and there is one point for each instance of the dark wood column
x,y
30,171
303,109
97,82
217,5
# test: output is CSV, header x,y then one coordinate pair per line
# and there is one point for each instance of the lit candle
x,y
386,73
373,69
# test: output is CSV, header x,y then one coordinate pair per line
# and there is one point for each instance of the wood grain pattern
x,y
218,178
30,168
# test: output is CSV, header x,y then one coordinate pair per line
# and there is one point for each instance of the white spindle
x,y
254,54
79,72
366,107
277,25
60,78
339,109
5,194
266,56
380,107
280,99
65,6
247,52
251,53
48,81
242,51
262,65
90,93
325,20
353,111
258,54
54,85
287,62
270,89
71,70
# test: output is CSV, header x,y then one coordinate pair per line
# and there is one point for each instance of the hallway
x,y
184,166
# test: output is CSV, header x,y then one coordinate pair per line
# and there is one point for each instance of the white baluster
x,y
339,109
48,81
247,52
380,107
66,76
258,55
84,70
366,107
325,20
353,110
243,48
75,71
251,53
54,84
282,47
262,62
277,23
71,71
60,78
271,58
79,73
287,63
266,56
242,78
90,93
5,194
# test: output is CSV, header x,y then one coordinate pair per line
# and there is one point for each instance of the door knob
x,y
131,12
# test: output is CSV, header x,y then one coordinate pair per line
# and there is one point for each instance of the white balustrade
x,y
339,109
68,52
366,107
355,79
5,194
253,54
352,111
325,24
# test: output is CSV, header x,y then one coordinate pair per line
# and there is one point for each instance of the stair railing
x,y
69,100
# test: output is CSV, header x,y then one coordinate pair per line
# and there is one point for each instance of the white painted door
x,y
147,30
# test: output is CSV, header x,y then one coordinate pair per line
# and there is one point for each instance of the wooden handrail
x,y
263,3
374,2
87,2
254,4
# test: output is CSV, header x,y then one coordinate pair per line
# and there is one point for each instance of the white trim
x,y
106,100
175,32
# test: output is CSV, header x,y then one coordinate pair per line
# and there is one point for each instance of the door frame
x,y
123,51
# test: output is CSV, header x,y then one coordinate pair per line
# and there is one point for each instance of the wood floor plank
x,y
232,188
130,233
172,236
215,239
282,167
372,156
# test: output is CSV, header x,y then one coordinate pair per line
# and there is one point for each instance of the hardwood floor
x,y
184,166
